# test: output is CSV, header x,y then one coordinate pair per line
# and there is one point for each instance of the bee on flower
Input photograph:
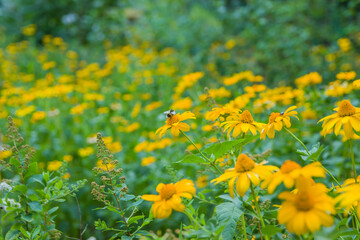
x,y
346,116
306,209
277,121
246,172
169,197
241,123
175,122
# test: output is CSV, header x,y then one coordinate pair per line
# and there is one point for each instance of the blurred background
x,y
276,36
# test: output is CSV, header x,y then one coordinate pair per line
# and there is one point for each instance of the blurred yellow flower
x,y
136,110
230,44
169,197
49,65
153,106
87,151
346,75
5,154
202,181
347,116
37,116
306,209
147,161
289,172
68,158
29,30
174,122
182,104
104,167
312,78
54,165
246,172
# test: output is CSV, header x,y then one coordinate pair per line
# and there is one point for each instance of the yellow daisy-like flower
x,y
347,116
217,112
306,209
169,197
350,196
242,123
246,171
276,122
289,172
175,123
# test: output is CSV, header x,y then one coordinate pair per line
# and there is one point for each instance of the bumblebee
x,y
170,113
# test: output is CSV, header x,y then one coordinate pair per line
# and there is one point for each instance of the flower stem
x,y
307,151
206,158
244,225
297,139
258,208
194,221
353,159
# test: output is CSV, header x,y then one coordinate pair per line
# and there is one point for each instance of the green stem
x,y
297,139
258,208
244,225
193,220
353,159
207,159
332,176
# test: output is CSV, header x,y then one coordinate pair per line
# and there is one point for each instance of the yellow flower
x,y
246,171
153,106
68,158
289,172
202,181
216,112
87,151
147,161
276,121
169,197
347,116
182,104
105,167
29,30
175,123
308,209
54,165
5,154
37,116
346,75
243,122
136,110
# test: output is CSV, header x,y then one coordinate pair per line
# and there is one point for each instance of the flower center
x,y
303,201
167,191
173,119
244,163
346,109
273,117
289,166
246,117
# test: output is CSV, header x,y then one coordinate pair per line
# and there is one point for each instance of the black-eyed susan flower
x,y
169,197
347,116
277,121
242,123
289,172
246,171
306,209
174,122
217,112
350,195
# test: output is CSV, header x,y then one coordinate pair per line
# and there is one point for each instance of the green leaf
x,y
32,169
27,218
21,188
36,231
24,232
228,214
315,152
52,210
59,184
219,149
46,176
134,219
192,159
15,162
12,234
270,230
36,206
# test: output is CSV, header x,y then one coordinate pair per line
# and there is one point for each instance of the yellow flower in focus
x,y
104,167
5,154
308,209
202,181
169,197
276,122
68,158
147,161
246,172
347,116
217,112
87,151
175,123
242,123
54,165
289,172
